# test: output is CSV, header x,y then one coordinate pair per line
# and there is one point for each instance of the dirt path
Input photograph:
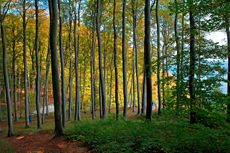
x,y
42,142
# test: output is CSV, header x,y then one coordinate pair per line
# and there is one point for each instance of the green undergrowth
x,y
161,135
5,148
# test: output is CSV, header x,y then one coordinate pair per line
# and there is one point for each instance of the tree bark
x,y
83,92
102,81
158,56
6,79
54,64
62,66
228,44
115,60
27,125
39,126
147,51
124,61
192,66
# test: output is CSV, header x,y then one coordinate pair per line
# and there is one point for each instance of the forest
x,y
115,75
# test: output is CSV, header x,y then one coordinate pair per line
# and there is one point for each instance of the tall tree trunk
x,y
62,67
111,81
192,66
27,125
102,81
228,44
71,64
115,60
147,50
14,78
177,59
54,64
47,81
76,48
9,108
45,100
158,57
124,61
143,99
91,70
38,70
83,92
136,54
0,104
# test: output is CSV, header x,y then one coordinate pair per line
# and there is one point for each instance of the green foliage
x,y
164,134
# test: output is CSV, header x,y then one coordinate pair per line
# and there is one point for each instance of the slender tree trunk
x,y
45,100
47,81
54,64
38,70
19,98
71,64
83,93
177,59
9,108
115,60
228,44
136,54
0,104
111,82
147,50
124,61
14,78
102,82
27,125
158,56
91,70
192,66
62,67
143,94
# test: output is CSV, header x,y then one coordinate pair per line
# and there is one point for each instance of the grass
x,y
4,147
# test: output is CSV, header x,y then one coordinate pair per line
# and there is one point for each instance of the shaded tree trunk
x,y
143,99
192,66
228,44
62,67
83,92
27,125
54,64
147,51
19,98
124,61
115,61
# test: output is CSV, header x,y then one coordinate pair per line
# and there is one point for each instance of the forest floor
x,y
43,142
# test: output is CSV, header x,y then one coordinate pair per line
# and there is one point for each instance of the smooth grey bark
x,y
192,66
92,55
39,125
71,63
115,60
147,51
177,59
6,79
76,48
54,64
62,66
124,61
102,81
45,100
136,54
27,125
158,57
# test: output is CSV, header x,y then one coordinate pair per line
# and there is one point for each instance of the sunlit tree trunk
x,y
9,108
102,82
54,64
147,51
